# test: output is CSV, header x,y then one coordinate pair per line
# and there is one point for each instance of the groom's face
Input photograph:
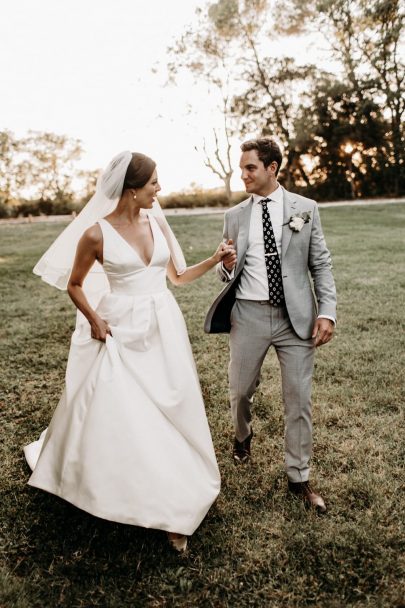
x,y
257,178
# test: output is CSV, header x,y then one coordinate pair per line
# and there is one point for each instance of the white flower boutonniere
x,y
297,221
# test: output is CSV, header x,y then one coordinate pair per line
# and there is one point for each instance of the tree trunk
x,y
398,150
228,191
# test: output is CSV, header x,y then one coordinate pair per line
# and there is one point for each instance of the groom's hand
x,y
229,260
323,331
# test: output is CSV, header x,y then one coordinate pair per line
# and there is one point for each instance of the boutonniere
x,y
297,221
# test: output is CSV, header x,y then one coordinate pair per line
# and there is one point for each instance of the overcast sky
x,y
87,69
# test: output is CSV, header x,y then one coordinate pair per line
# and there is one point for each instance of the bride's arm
x,y
194,272
89,249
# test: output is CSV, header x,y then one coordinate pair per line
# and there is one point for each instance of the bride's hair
x,y
139,171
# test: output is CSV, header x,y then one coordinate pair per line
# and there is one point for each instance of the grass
x,y
257,547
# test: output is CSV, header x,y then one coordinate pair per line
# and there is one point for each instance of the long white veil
x,y
55,266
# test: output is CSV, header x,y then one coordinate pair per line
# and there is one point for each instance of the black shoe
x,y
241,450
304,491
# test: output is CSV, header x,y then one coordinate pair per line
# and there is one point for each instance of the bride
x,y
129,440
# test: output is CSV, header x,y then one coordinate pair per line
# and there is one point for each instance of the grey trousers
x,y
255,327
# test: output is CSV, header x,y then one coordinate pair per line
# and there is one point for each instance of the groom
x,y
268,301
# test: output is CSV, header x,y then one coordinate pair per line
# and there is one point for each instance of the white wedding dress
x,y
129,440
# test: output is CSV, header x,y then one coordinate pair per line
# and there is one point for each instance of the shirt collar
x,y
276,196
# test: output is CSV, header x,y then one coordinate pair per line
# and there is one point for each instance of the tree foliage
x,y
48,164
38,173
342,133
11,175
207,51
366,38
335,143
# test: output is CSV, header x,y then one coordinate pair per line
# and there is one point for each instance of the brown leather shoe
x,y
241,450
304,491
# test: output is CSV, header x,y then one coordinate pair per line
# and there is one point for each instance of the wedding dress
x,y
129,440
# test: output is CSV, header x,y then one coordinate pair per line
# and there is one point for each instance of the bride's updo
x,y
139,171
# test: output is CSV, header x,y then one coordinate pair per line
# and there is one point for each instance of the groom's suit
x,y
254,324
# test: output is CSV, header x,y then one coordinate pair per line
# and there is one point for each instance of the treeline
x,y
342,132
39,175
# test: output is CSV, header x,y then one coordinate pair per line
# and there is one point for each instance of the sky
x,y
95,70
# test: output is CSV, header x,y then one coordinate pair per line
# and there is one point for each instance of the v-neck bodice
x,y
127,273
133,248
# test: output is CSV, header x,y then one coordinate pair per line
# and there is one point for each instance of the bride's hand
x,y
226,253
99,329
225,250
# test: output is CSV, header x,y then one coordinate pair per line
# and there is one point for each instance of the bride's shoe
x,y
177,541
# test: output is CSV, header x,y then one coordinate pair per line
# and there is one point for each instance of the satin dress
x,y
129,440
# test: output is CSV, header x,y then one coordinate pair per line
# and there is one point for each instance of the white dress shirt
x,y
253,283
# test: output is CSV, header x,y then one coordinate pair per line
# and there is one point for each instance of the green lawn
x,y
257,546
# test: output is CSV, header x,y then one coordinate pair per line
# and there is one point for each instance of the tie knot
x,y
265,200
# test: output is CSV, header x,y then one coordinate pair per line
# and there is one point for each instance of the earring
x,y
134,196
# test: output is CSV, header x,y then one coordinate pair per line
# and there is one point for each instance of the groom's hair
x,y
267,150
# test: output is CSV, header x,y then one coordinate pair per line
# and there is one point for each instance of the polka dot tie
x,y
273,264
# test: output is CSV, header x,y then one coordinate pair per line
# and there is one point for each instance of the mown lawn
x,y
257,546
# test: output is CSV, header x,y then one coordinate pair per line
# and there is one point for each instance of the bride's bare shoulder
x,y
93,235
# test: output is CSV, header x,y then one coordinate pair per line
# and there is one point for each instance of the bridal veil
x,y
56,264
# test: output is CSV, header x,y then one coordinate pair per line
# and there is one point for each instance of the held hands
x,y
99,329
227,255
224,252
323,331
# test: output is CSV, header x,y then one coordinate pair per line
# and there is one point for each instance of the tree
x,y
317,116
221,164
380,41
268,100
207,51
12,176
49,164
366,37
335,142
271,102
88,180
365,106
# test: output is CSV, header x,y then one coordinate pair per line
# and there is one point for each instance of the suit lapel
x,y
290,207
243,231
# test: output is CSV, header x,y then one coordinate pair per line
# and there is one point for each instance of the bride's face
x,y
145,195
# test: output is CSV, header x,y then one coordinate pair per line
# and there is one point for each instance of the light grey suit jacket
x,y
303,255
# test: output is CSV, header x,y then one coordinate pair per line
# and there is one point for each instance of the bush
x,y
47,207
6,210
199,198
66,206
